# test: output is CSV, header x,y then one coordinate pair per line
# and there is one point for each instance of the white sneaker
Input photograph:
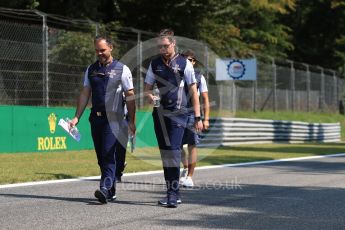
x,y
183,176
188,182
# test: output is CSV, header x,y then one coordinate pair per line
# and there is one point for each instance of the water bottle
x,y
131,141
156,97
74,132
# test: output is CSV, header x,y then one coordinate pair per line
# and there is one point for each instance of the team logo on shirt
x,y
176,68
236,69
112,73
159,68
94,73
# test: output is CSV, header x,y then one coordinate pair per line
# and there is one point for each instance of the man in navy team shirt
x,y
105,82
174,76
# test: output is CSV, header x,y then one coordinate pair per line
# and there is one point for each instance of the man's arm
x,y
148,93
81,105
149,82
196,106
206,109
130,102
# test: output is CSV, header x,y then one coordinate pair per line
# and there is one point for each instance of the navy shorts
x,y
190,137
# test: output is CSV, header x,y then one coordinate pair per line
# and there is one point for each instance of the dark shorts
x,y
190,137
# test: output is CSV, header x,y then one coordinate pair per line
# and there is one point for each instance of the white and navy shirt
x,y
126,78
107,84
172,80
201,82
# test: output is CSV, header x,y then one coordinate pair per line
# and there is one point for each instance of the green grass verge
x,y
23,167
70,164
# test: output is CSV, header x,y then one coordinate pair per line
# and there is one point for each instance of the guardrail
x,y
234,131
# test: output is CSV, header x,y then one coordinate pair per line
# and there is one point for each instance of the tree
x,y
297,29
20,4
318,30
153,15
74,48
100,11
247,28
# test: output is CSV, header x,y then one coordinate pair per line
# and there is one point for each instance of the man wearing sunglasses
x,y
190,136
174,77
105,81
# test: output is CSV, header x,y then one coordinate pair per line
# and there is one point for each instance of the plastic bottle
x,y
74,132
156,97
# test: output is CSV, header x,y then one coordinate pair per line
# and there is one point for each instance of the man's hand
x,y
73,122
131,128
206,124
148,93
198,126
151,98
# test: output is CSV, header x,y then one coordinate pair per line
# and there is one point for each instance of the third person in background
x,y
190,136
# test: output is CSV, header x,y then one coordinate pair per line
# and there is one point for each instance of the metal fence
x,y
288,86
27,77
44,57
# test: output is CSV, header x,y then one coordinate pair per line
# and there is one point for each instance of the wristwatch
x,y
197,119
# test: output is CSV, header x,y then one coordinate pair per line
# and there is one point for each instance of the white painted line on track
x,y
272,161
161,171
73,179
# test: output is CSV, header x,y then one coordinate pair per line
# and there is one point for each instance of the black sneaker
x,y
101,196
105,196
164,201
172,201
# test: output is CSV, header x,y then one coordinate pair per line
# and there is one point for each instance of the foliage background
x,y
301,30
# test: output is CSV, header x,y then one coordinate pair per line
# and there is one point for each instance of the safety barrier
x,y
233,131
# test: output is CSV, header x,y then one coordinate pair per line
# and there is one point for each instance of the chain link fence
x,y
44,57
289,86
20,63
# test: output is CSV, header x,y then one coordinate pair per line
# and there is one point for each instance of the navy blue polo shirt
x,y
107,84
172,79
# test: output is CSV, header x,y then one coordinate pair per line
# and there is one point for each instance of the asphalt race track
x,y
304,194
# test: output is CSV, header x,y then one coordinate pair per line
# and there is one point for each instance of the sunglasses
x,y
166,46
191,59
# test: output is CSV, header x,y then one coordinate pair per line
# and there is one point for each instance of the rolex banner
x,y
236,69
35,129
